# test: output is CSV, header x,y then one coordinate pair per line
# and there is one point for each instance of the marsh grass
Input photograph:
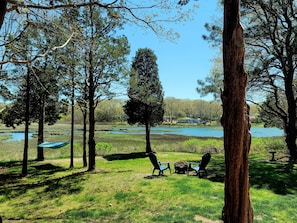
x,y
125,191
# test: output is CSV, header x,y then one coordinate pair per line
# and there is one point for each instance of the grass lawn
x,y
125,191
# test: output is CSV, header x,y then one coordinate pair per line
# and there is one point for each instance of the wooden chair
x,y
200,167
161,166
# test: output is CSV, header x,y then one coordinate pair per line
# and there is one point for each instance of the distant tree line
x,y
174,110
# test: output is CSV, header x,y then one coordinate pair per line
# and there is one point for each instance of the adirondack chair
x,y
161,166
200,167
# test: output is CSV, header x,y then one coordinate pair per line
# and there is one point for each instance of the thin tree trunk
x,y
27,114
235,119
72,121
147,137
85,163
147,130
40,154
92,143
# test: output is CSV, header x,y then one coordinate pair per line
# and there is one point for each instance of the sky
x,y
183,62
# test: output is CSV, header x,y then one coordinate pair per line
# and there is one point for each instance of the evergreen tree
x,y
145,104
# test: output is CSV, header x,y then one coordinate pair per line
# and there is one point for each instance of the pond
x,y
188,131
197,131
17,136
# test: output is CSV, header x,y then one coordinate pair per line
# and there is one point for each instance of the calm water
x,y
18,136
197,131
188,131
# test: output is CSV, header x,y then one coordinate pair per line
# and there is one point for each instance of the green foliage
x,y
269,144
202,146
145,104
103,148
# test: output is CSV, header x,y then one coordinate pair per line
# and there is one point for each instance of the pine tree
x,y
145,104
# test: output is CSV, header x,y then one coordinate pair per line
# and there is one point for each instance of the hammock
x,y
53,145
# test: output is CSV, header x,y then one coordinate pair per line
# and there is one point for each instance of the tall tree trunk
x,y
235,119
290,129
147,137
27,114
92,143
147,129
40,154
72,120
85,113
3,9
85,163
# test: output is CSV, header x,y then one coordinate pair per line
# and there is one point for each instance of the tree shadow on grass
x,y
12,186
278,177
11,171
125,156
150,177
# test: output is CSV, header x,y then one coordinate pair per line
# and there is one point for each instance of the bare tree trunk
x,y
40,154
92,143
27,114
85,163
72,119
235,119
290,128
147,137
148,147
3,4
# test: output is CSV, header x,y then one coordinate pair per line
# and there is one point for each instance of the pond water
x,y
18,136
188,131
197,131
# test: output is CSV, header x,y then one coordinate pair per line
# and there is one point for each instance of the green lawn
x,y
125,190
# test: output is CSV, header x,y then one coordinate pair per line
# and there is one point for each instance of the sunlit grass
x,y
125,191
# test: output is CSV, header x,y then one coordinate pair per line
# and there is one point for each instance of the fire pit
x,y
181,167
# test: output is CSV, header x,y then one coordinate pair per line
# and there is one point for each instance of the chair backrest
x,y
205,160
154,160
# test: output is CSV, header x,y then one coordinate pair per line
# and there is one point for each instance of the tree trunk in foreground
x,y
235,119
3,4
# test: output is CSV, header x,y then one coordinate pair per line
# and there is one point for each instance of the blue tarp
x,y
53,145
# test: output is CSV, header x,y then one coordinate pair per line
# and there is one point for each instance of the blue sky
x,y
183,62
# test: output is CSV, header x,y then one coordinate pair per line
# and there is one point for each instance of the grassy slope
x,y
124,191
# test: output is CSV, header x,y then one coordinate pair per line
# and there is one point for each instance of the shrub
x,y
102,148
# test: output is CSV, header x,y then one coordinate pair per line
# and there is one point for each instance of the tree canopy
x,y
145,104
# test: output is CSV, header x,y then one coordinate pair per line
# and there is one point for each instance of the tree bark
x,y
27,114
72,119
3,4
85,163
235,119
147,114
92,143
147,137
290,128
40,154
